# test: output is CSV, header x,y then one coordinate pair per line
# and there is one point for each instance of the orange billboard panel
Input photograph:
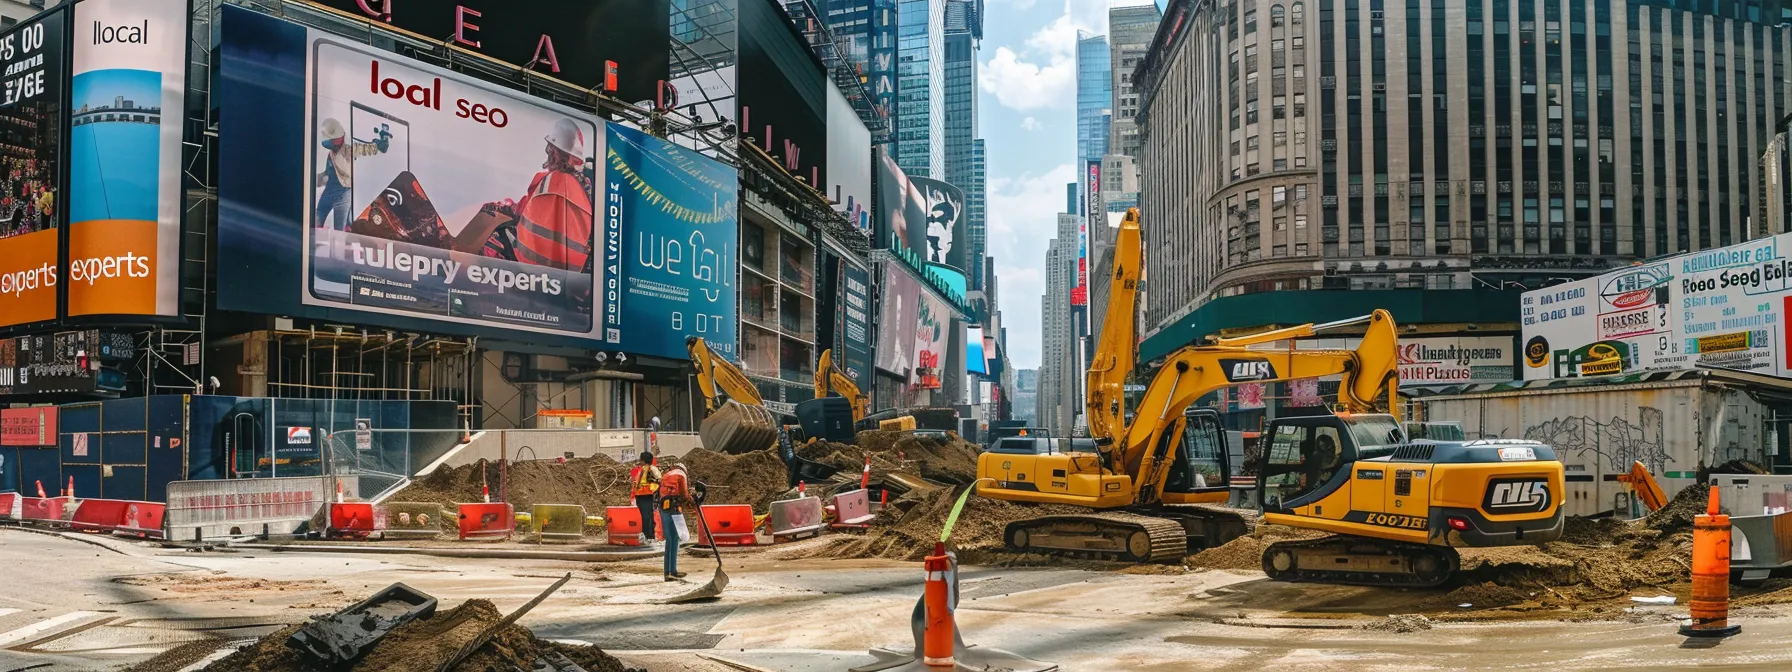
x,y
28,278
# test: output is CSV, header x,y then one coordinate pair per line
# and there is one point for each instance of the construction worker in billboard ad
x,y
674,495
644,483
335,181
554,220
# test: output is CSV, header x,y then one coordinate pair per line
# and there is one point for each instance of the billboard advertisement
x,y
128,101
671,223
882,56
359,186
35,426
1450,360
946,242
901,208
855,310
849,161
570,41
46,364
31,122
930,329
973,346
782,91
897,316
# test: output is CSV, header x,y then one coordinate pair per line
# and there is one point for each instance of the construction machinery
x,y
1159,481
737,420
829,380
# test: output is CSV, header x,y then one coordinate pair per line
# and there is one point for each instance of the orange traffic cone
x,y
338,492
942,632
71,487
1710,574
865,478
40,490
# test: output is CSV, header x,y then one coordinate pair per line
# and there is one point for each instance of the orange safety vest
x,y
673,489
642,476
554,222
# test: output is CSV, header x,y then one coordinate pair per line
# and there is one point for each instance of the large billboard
x,y
849,161
947,241
128,108
881,70
31,157
898,313
357,184
901,211
576,42
1724,307
670,226
782,91
855,311
1455,359
931,329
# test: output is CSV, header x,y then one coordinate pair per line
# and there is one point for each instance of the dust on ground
x,y
205,584
1399,623
425,644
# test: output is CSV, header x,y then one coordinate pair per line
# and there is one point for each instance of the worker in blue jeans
x,y
675,492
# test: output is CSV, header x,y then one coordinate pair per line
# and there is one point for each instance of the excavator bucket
x,y
738,428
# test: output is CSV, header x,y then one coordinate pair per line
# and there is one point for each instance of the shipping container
x,y
1676,423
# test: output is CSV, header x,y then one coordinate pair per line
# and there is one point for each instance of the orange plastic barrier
x,y
9,505
98,515
486,521
351,520
142,519
727,525
624,526
45,509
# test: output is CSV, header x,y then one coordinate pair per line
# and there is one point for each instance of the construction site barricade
x,y
98,515
9,505
852,510
43,509
411,520
142,519
559,522
486,521
727,525
199,510
624,528
351,520
797,518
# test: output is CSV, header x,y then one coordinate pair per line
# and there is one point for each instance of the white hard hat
x,y
568,137
333,129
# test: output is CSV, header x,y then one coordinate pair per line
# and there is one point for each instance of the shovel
x,y
715,585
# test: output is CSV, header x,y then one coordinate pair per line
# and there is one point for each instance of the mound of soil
x,y
909,527
1678,514
950,460
1246,552
423,645
1400,623
597,482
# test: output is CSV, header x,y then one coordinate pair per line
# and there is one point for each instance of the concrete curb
x,y
503,553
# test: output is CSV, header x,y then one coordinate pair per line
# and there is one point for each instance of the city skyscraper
x,y
1130,30
921,87
1060,371
1094,95
964,32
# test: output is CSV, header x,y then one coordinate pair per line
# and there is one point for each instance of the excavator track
x,y
1360,561
1110,536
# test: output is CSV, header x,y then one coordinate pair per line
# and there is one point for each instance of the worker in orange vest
x,y
644,484
675,493
554,226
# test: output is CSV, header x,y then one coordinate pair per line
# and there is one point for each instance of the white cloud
x,y
1023,218
1041,72
1031,124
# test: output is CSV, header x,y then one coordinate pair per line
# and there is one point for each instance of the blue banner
x,y
670,247
855,311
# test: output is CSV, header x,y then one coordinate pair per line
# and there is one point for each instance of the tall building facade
x,y
1442,146
1094,95
1130,30
963,149
1060,366
975,196
921,87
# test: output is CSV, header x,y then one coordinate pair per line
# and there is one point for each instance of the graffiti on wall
x,y
1615,443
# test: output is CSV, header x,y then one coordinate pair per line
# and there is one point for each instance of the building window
x,y
1250,20
1250,142
1280,138
1300,222
1300,249
1300,137
1281,164
1300,12
1300,192
1280,196
1300,162
1275,16
1300,41
1279,251
1281,223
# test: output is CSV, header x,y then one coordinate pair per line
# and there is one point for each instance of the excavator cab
x,y
1309,457
1201,471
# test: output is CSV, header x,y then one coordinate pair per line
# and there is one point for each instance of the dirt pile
x,y
597,482
949,460
1679,512
1399,623
909,527
423,645
1246,552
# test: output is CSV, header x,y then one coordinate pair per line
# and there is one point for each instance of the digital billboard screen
x,y
782,92
127,108
33,55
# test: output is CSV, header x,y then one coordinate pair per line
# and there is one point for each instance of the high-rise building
x,y
1437,146
921,87
1060,369
1094,95
1129,38
963,33
978,225
1774,215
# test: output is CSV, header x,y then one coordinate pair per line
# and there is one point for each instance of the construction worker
x,y
334,181
674,494
554,222
644,482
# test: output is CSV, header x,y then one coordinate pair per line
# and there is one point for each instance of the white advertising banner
x,y
1446,360
1719,308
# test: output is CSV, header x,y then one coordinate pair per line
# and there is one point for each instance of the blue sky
x,y
1027,99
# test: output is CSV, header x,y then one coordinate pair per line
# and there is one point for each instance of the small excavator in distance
x,y
1158,483
737,420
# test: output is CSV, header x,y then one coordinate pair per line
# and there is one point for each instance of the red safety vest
x,y
553,226
642,477
673,489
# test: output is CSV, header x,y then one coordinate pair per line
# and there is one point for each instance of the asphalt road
x,y
80,606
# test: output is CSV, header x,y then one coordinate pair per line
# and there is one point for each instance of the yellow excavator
x,y
829,380
737,420
1158,483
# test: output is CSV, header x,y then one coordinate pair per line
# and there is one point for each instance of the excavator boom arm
x,y
1145,452
1117,350
830,379
715,372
